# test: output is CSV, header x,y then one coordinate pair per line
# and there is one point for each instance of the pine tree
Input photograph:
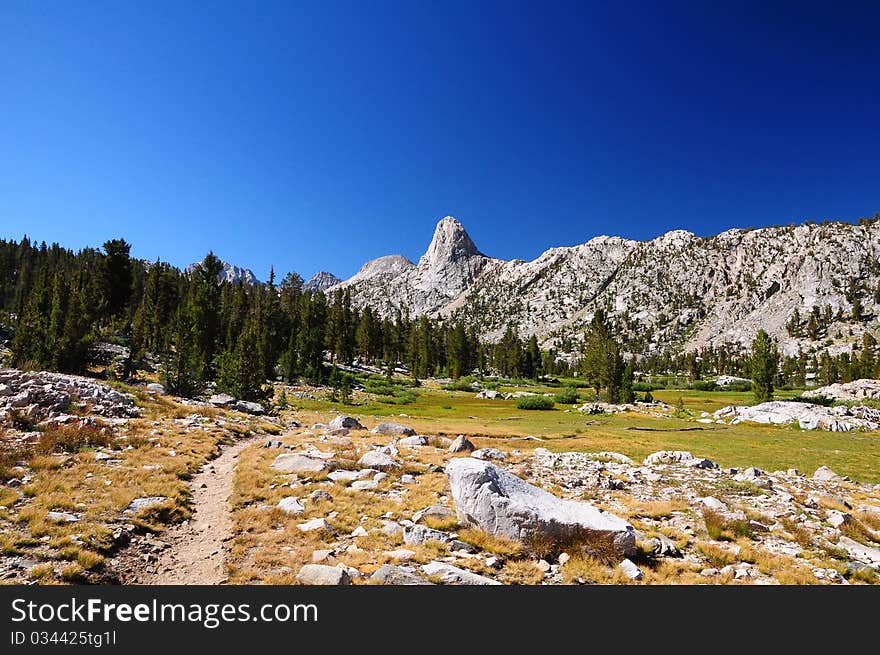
x,y
763,364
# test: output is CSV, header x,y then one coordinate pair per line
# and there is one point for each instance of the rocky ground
x,y
152,490
341,504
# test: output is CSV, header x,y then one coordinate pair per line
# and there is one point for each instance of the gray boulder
x,y
347,422
449,574
291,505
419,534
415,440
388,574
461,445
380,461
321,574
249,407
503,504
489,453
393,428
299,464
221,400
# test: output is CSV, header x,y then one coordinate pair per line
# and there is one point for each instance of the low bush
x,y
568,396
824,401
534,402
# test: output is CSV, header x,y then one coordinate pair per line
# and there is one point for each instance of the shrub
x,y
534,402
568,396
71,439
703,385
824,401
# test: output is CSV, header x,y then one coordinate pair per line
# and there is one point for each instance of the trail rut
x,y
198,548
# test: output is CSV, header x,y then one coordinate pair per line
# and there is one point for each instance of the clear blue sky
x,y
316,136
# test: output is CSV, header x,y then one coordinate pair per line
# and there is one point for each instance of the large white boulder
x,y
503,504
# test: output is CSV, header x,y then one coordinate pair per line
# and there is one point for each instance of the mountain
x,y
676,291
321,281
231,273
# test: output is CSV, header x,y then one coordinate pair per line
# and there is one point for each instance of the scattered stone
x,y
400,554
461,445
544,566
347,422
393,428
415,440
359,532
299,464
62,517
377,460
630,570
291,505
319,496
322,555
825,474
663,546
419,534
389,574
147,502
321,574
449,574
221,400
489,453
838,519
249,407
434,511
342,475
668,457
364,485
315,524
156,388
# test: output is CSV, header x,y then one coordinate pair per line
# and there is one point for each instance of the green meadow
x,y
490,422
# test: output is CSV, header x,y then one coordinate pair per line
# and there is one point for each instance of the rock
x,y
393,428
299,464
321,555
320,496
342,475
249,407
389,574
630,570
455,545
825,474
663,546
374,459
221,400
668,457
489,453
347,422
406,478
461,445
701,463
273,443
139,504
503,504
808,416
291,505
863,553
419,534
359,531
62,517
449,574
321,574
315,524
364,485
415,440
155,387
400,554
391,528
563,558
489,394
434,511
543,566
838,519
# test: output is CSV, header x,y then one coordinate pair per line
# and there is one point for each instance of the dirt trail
x,y
197,555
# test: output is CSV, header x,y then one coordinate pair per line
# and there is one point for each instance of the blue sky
x,y
318,135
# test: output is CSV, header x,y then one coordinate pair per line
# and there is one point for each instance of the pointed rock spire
x,y
451,243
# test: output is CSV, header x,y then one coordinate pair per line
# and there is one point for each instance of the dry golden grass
x,y
716,556
522,572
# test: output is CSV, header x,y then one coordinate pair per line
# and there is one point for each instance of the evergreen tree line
x,y
198,329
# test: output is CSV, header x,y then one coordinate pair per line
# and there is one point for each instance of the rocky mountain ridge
x,y
678,290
